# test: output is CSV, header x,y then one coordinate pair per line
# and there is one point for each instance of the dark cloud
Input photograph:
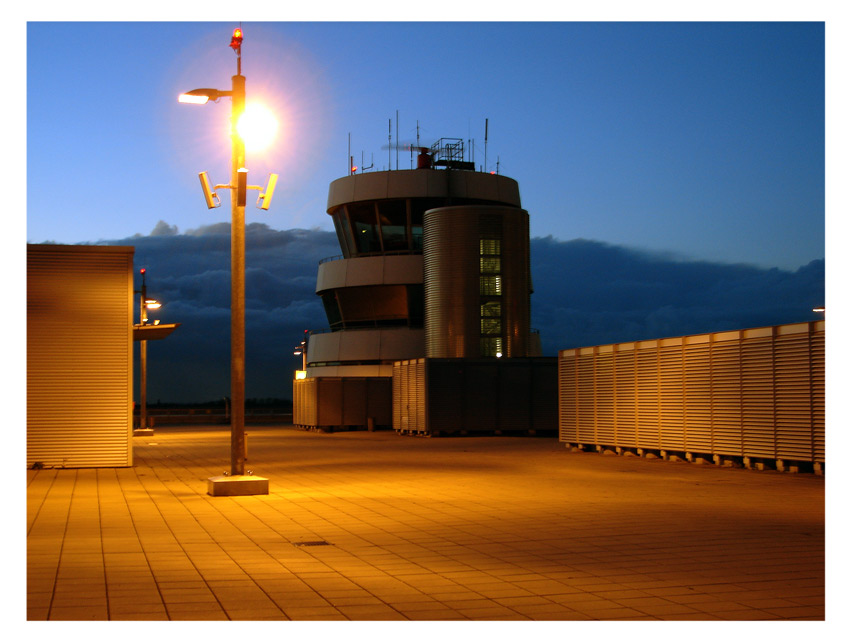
x,y
585,293
190,274
590,293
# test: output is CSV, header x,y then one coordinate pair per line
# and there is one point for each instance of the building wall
x,y
477,282
79,356
756,393
475,395
342,402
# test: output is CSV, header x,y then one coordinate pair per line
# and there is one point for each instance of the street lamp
x,y
238,190
145,304
301,351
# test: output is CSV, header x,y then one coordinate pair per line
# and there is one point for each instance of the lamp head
x,y
202,96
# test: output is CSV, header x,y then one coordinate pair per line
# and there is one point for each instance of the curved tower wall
x,y
477,282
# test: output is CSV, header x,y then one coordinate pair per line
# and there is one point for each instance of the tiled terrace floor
x,y
480,528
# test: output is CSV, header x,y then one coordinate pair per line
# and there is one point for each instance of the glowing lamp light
x,y
257,127
188,98
152,303
300,374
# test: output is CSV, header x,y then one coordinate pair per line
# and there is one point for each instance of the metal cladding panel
x,y
625,420
568,396
604,401
354,401
397,395
408,390
757,397
672,409
793,380
480,411
446,387
79,356
514,395
697,397
648,399
818,368
586,397
727,423
452,263
488,395
379,400
544,393
329,401
304,402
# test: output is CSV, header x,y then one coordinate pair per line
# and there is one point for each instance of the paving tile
x,y
526,538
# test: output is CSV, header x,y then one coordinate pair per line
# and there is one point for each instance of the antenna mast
x,y
486,125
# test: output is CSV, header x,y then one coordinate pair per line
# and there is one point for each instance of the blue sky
x,y
702,140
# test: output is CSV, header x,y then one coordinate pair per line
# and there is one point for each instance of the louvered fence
x,y
757,395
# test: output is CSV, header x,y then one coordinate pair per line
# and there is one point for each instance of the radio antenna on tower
x,y
486,125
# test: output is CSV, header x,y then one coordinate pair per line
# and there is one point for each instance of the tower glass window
x,y
364,224
490,286
393,217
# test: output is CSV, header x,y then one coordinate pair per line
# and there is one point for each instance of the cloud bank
x,y
585,293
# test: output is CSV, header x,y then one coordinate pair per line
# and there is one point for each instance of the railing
x,y
373,254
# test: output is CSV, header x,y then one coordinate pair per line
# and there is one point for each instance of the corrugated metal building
x,y
756,394
463,395
79,356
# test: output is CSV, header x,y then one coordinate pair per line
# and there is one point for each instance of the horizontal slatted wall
x,y
624,395
758,393
726,400
818,368
605,396
648,404
79,356
671,394
568,396
586,396
792,377
697,394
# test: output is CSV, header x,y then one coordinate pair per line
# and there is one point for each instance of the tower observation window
x,y
364,219
490,286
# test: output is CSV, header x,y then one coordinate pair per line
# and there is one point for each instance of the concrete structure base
x,y
143,432
237,485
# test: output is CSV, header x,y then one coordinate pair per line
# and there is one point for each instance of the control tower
x,y
434,263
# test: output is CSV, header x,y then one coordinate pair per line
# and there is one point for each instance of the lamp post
x,y
144,305
238,194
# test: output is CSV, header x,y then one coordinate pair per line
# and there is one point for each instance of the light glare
x,y
257,127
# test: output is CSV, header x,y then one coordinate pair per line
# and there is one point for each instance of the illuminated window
x,y
491,325
491,347
491,309
490,286
490,247
491,264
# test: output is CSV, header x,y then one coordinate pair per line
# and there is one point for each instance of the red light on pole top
x,y
143,270
236,40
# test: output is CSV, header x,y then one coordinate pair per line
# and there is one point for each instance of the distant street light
x,y
238,190
144,305
301,351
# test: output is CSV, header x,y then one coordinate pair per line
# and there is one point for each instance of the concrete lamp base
x,y
237,485
143,432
